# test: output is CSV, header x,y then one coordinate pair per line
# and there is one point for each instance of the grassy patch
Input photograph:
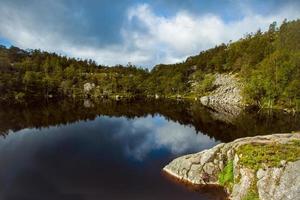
x,y
254,155
226,176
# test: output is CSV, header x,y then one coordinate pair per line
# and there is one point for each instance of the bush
x,y
206,85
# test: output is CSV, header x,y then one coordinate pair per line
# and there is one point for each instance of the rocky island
x,y
260,167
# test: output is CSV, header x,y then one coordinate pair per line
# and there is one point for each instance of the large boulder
x,y
278,180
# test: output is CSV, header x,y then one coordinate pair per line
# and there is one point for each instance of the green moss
x,y
251,195
296,142
226,176
254,155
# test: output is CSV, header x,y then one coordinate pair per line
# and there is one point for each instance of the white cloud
x,y
185,34
161,40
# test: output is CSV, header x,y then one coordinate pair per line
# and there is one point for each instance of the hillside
x,y
267,63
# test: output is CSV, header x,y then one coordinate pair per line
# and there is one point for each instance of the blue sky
x,y
144,32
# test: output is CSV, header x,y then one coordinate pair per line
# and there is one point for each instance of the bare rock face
x,y
270,183
197,168
280,183
241,188
226,98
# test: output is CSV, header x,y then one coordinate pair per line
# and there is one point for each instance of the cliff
x,y
261,167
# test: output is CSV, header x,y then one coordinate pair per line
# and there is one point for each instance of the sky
x,y
143,32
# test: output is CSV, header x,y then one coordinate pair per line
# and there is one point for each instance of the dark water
x,y
114,150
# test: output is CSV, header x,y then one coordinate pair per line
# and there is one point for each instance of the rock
x,y
205,100
88,87
118,97
227,95
240,189
276,183
196,168
279,183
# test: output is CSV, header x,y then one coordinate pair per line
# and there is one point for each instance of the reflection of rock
x,y
226,98
227,117
88,104
281,181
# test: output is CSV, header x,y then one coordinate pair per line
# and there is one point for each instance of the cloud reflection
x,y
158,133
136,138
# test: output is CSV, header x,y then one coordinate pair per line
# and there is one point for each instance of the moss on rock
x,y
255,156
226,177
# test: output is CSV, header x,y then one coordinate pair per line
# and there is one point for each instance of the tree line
x,y
268,63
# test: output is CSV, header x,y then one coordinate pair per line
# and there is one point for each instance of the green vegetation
x,y
252,194
205,84
254,155
226,177
35,74
267,62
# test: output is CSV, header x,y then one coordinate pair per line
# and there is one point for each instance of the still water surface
x,y
113,150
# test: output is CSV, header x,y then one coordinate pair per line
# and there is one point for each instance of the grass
x,y
254,156
226,176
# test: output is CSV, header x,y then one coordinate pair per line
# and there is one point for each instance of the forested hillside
x,y
268,63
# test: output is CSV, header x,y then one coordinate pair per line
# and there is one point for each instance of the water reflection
x,y
205,121
113,150
104,158
141,136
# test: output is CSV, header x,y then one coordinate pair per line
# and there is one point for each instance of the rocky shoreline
x,y
260,167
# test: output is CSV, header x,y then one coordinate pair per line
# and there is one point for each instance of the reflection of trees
x,y
64,112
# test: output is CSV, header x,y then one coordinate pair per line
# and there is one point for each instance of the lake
x,y
114,150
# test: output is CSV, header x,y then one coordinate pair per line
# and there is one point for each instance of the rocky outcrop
x,y
88,87
226,97
280,183
276,178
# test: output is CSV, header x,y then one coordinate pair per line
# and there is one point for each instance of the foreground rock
x,y
261,167
226,98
